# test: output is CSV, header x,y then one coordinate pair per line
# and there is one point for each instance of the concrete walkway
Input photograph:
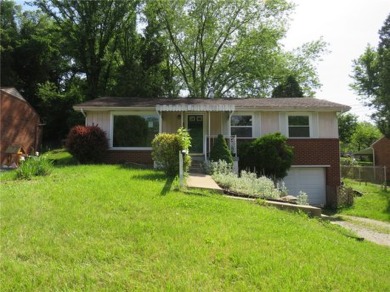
x,y
202,181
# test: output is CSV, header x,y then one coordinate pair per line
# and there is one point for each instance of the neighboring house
x,y
310,125
20,126
381,149
378,153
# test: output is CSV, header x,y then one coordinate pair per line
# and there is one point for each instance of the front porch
x,y
203,122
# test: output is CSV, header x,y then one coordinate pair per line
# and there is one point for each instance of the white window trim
x,y
242,114
128,113
300,114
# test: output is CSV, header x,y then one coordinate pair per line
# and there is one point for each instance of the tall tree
x,y
9,39
364,135
371,74
288,88
225,48
347,126
91,29
140,58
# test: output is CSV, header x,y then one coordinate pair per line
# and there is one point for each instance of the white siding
x,y
269,122
328,125
100,119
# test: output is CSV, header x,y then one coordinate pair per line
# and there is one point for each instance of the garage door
x,y
310,180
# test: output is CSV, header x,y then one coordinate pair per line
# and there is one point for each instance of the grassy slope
x,y
374,204
106,227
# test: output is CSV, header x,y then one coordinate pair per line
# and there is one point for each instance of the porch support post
x,y
182,119
159,121
230,123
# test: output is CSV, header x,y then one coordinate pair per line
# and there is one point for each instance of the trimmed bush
x,y
221,151
268,155
166,149
88,144
34,166
247,184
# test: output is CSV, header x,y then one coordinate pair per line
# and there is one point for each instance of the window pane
x,y
299,132
298,121
242,131
134,131
241,121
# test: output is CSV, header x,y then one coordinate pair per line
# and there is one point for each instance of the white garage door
x,y
310,180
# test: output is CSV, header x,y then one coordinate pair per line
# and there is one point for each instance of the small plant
x,y
248,183
34,166
282,188
221,151
302,198
88,144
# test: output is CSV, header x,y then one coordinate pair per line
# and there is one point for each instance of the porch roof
x,y
205,104
196,107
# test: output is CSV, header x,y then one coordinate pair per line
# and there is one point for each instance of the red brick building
x,y
20,125
382,154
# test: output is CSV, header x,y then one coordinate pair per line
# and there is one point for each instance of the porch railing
x,y
231,141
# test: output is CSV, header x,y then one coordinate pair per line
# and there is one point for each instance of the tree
x,y
91,30
8,42
30,51
364,135
289,88
347,126
371,74
227,48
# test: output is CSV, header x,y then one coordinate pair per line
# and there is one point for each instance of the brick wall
x,y
320,152
19,125
382,154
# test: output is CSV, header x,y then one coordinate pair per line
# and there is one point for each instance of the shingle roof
x,y
12,91
239,103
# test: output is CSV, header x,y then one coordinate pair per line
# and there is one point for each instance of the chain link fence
x,y
372,174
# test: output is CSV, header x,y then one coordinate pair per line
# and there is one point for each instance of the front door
x,y
195,129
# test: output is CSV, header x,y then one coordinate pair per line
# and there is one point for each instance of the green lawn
x,y
91,228
374,204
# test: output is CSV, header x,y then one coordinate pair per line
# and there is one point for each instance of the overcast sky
x,y
347,26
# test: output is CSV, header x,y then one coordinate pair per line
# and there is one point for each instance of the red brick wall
x,y
126,156
320,152
382,154
18,125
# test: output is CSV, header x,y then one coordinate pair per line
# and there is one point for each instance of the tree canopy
x,y
231,48
371,74
288,88
61,52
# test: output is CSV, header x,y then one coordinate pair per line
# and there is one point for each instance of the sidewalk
x,y
202,181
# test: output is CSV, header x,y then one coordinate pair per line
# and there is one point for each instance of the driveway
x,y
369,229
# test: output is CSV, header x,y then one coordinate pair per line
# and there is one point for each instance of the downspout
x,y
82,111
209,134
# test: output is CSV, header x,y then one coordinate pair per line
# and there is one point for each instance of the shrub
x,y
34,166
248,183
88,144
268,155
221,151
166,148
